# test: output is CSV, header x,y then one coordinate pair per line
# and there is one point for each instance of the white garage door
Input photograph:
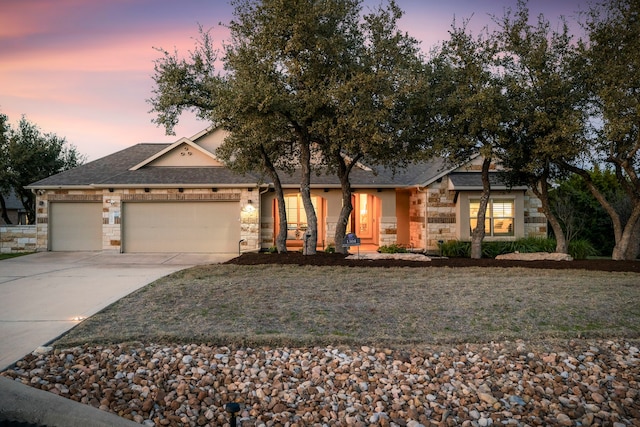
x,y
75,226
206,227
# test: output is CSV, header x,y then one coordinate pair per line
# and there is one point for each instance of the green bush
x,y
331,249
456,249
579,249
582,249
533,244
392,249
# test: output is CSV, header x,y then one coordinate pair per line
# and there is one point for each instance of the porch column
x,y
388,227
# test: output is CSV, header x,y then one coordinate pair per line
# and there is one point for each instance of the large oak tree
x,y
29,155
319,77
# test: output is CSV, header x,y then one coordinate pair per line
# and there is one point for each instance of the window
x,y
296,216
499,219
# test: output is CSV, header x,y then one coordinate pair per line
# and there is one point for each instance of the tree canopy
x,y
316,80
29,155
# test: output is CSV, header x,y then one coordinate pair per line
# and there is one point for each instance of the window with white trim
x,y
499,221
296,215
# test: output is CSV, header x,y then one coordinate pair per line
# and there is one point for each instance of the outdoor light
x,y
249,207
78,318
233,408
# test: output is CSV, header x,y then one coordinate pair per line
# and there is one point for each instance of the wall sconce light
x,y
146,190
111,190
248,208
180,190
214,190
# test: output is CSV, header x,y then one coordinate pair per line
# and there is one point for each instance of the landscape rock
x,y
535,256
498,383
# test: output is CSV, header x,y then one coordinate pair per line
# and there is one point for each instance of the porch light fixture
x,y
249,207
180,190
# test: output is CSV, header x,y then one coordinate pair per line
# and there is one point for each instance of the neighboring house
x,y
15,210
180,198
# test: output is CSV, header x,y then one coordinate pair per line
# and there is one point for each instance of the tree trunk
x,y
311,234
633,250
5,214
28,201
477,235
281,238
347,207
542,192
625,247
622,234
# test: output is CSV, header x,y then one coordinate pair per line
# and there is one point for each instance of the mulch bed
x,y
327,259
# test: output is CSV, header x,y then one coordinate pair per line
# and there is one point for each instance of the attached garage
x,y
181,226
75,226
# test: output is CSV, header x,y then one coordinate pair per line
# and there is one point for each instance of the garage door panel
x,y
205,227
75,226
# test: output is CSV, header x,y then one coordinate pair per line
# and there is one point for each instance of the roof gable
x,y
182,153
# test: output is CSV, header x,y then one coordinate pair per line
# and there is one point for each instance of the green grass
x,y
14,255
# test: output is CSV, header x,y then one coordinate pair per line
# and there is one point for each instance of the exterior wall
x,y
437,214
535,222
112,208
388,227
17,238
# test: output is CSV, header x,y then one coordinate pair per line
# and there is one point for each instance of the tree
x,y
374,116
547,106
581,214
5,182
31,156
299,74
611,71
468,109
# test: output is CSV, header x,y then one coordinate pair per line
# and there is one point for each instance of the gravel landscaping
x,y
588,383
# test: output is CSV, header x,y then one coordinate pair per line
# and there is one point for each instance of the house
x,y
15,210
180,198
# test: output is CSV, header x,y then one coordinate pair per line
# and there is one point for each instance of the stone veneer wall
x,y
441,223
17,238
535,222
112,205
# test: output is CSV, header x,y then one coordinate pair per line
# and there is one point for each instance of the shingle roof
x,y
12,201
473,181
114,170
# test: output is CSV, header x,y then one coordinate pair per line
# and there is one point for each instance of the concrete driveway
x,y
45,294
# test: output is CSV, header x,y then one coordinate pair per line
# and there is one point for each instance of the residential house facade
x,y
180,198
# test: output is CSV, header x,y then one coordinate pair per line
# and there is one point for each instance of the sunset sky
x,y
82,68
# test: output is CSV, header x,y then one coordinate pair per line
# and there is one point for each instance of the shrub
x,y
581,249
331,249
392,249
456,249
533,244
